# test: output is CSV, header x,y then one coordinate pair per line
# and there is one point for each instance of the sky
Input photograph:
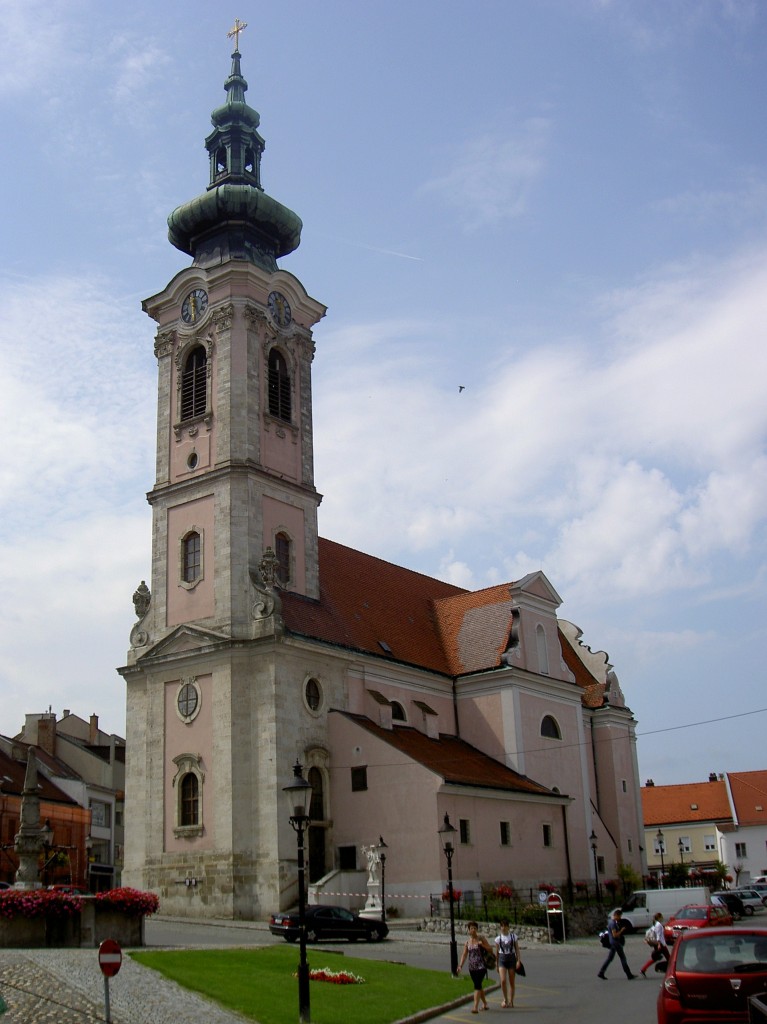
x,y
540,229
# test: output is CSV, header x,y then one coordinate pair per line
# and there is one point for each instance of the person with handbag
x,y
509,961
617,929
656,940
475,949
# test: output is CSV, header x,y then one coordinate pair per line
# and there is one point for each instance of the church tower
x,y
234,522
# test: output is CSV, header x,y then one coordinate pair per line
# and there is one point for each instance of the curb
x,y
437,1011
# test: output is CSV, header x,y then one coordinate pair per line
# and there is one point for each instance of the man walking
x,y
617,929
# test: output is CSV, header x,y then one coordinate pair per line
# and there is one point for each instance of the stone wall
x,y
85,930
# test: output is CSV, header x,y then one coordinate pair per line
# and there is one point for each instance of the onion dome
x,y
235,218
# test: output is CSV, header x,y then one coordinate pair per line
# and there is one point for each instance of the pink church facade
x,y
260,643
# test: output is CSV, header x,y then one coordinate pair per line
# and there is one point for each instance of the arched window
x,y
543,654
317,803
282,553
188,783
194,384
550,729
192,555
279,386
221,160
189,800
397,712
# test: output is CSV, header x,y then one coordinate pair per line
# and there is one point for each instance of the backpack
x,y
649,936
604,938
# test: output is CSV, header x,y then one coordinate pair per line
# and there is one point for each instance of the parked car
x,y
732,901
708,915
77,890
711,974
752,898
328,923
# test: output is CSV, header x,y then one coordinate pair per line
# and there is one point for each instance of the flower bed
x,y
42,917
334,977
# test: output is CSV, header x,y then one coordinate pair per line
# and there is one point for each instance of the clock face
x,y
194,305
279,307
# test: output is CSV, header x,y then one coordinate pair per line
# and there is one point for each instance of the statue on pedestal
x,y
29,841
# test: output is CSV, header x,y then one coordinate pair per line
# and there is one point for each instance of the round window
x,y
192,461
188,701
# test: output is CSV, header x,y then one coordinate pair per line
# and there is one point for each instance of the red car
x,y
706,915
711,975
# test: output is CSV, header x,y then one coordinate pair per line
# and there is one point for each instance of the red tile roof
x,y
366,603
693,801
454,760
749,795
13,773
593,690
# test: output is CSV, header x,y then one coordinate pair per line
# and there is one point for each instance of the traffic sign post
x,y
110,962
554,906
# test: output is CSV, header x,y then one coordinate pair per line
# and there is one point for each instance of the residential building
x,y
89,765
65,857
260,644
685,824
744,846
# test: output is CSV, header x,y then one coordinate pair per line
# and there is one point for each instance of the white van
x,y
644,904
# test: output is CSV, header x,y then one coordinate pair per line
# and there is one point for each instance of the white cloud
x,y
493,176
628,465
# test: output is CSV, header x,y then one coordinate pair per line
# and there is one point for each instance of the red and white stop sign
x,y
110,958
554,903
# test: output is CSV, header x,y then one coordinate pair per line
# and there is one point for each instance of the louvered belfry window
x,y
279,386
194,383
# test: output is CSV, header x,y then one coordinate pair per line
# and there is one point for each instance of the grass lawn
x,y
259,984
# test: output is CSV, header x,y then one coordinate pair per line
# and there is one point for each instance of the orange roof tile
x,y
454,760
749,795
367,604
693,801
365,601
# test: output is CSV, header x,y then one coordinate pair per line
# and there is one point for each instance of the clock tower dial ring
x,y
279,307
194,305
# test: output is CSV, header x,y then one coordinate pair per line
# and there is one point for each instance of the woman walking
x,y
507,951
656,940
473,951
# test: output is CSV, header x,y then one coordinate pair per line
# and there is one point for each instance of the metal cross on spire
x,y
235,32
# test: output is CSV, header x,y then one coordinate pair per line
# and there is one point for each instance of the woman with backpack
x,y
656,939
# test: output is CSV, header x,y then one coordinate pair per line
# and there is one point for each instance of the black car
x,y
733,903
328,923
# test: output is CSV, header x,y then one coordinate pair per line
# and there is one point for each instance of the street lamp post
x,y
593,838
446,834
681,851
299,794
382,847
661,850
